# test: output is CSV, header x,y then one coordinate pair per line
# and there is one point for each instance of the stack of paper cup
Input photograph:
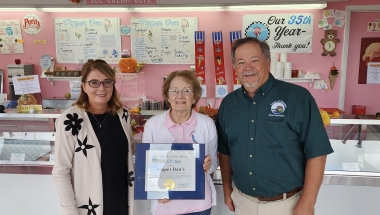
x,y
278,73
274,57
273,61
287,70
273,68
283,57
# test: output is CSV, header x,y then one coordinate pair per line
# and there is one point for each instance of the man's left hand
x,y
304,208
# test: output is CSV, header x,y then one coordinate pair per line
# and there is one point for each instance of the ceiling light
x,y
175,9
84,9
278,7
18,9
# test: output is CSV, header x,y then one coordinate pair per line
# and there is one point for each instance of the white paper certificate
x,y
172,170
373,73
26,84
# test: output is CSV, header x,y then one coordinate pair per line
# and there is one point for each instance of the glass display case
x,y
356,158
27,158
351,183
26,162
27,142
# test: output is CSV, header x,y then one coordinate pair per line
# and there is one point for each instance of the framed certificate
x,y
169,170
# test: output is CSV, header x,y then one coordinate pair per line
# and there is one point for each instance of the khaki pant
x,y
248,205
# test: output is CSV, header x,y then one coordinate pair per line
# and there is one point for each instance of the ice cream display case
x,y
356,158
27,142
27,149
355,140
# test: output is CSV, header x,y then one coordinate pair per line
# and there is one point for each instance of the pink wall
x,y
208,22
360,94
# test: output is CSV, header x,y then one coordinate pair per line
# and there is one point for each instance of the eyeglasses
x,y
175,92
96,83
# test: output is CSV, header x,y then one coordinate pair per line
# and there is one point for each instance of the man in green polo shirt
x,y
272,143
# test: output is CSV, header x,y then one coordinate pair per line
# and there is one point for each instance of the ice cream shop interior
x,y
331,48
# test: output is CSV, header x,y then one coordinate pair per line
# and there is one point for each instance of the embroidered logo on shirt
x,y
278,107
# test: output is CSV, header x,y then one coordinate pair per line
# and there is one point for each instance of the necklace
x,y
100,124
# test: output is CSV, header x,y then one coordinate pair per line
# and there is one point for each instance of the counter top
x,y
344,119
351,119
11,114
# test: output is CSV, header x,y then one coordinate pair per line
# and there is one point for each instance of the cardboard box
x,y
359,109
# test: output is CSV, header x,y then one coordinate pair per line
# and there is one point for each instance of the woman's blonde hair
x,y
114,104
190,78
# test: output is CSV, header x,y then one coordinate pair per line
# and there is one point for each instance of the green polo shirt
x,y
270,137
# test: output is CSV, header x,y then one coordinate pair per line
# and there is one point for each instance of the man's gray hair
x,y
265,50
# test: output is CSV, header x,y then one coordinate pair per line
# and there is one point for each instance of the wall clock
x,y
329,43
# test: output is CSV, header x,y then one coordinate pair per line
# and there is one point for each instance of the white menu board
x,y
90,38
10,34
163,40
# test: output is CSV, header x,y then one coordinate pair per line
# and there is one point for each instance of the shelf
x,y
310,80
51,79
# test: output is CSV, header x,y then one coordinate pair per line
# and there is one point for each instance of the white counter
x,y
11,114
350,119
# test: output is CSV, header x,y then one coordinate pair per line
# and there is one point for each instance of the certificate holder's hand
x,y
164,201
207,163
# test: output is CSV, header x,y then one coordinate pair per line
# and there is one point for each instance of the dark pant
x,y
206,212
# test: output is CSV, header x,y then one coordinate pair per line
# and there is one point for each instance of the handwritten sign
x,y
122,2
373,73
26,84
163,40
75,87
83,39
10,34
284,33
45,62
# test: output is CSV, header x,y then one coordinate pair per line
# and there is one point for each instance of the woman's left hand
x,y
207,163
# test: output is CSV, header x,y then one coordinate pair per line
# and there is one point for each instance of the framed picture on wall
x,y
369,60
